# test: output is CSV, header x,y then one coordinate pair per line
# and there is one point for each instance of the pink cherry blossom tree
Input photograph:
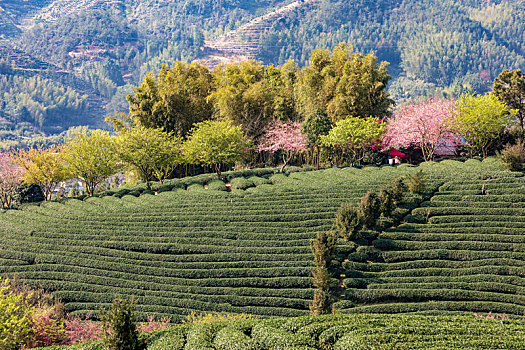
x,y
423,125
285,137
10,179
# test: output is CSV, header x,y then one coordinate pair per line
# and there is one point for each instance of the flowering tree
x,y
423,125
10,178
285,137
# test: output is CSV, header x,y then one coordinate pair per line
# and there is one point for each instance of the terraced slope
x,y
340,332
197,249
468,254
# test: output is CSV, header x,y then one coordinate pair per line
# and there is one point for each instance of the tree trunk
x,y
218,171
318,157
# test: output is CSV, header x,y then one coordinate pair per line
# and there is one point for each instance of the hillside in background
x,y
66,63
195,248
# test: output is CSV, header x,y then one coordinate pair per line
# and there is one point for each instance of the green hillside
x,y
247,251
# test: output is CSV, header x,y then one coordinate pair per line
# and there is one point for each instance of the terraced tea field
x,y
340,332
196,249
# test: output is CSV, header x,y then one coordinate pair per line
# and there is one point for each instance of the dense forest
x,y
81,58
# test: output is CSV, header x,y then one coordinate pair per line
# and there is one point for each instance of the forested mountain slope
x,y
105,47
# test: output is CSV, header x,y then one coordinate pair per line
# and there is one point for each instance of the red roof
x,y
395,153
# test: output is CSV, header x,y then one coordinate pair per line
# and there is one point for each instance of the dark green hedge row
x,y
209,272
474,278
412,295
421,264
193,302
463,255
482,270
114,278
474,204
450,245
468,211
471,306
442,236
139,288
479,286
448,229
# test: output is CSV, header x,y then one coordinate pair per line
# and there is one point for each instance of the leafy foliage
x,y
10,179
348,221
352,136
479,120
174,100
514,156
370,207
215,143
120,326
509,87
153,152
42,167
91,158
344,83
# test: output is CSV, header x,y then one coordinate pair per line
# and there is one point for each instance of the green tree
x,y
344,83
348,221
323,248
353,135
509,87
172,101
215,144
250,94
120,326
479,120
370,206
42,167
91,157
152,152
315,126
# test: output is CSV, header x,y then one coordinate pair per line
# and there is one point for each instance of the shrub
x,y
323,248
154,325
513,156
46,330
209,317
241,183
386,202
120,326
417,182
15,326
371,209
82,330
397,190
217,185
257,181
348,221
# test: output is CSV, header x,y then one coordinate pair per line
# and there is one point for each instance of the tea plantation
x,y
339,332
460,248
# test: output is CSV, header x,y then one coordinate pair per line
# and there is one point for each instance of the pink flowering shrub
x,y
153,325
82,330
46,330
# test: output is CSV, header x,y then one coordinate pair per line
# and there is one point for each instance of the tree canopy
x,y
216,143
